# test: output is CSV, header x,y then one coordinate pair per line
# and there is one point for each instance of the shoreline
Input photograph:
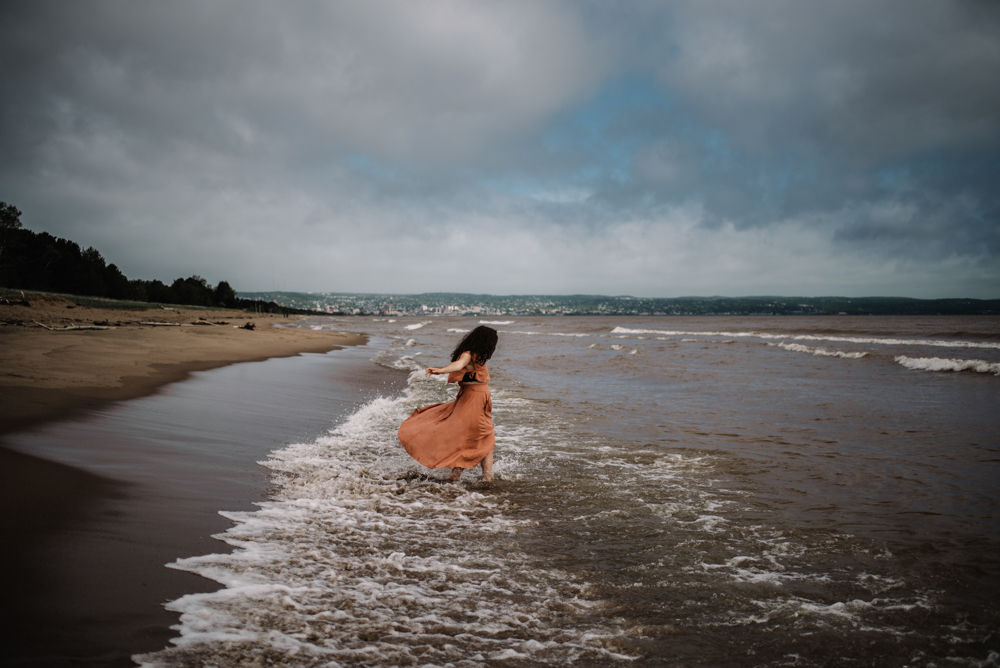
x,y
99,492
54,375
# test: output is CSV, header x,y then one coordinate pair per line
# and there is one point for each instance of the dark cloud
x,y
653,148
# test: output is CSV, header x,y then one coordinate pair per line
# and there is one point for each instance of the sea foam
x,y
819,352
940,364
816,337
363,557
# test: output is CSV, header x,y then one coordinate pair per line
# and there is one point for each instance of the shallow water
x,y
673,491
90,589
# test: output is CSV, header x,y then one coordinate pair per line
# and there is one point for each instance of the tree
x,y
225,295
116,285
193,290
10,217
40,261
10,220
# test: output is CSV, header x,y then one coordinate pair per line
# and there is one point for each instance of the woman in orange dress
x,y
458,434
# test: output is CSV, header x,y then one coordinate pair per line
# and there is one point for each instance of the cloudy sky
x,y
647,148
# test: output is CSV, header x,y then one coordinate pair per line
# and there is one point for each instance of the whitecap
x,y
570,334
940,364
815,337
497,322
819,352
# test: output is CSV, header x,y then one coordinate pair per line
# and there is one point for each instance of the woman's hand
x,y
463,361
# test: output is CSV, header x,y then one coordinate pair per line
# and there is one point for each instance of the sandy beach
x,y
84,586
51,374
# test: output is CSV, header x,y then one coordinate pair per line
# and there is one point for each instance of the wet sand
x,y
52,374
98,493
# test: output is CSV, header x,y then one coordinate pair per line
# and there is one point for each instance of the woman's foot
x,y
456,473
487,465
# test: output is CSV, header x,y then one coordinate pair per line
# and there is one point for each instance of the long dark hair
x,y
480,343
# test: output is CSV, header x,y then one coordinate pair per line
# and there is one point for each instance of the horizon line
x,y
584,294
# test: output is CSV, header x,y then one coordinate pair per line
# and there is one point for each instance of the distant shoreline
x,y
448,304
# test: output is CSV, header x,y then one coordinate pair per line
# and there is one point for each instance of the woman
x,y
459,434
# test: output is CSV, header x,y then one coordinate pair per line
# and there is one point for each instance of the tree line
x,y
45,263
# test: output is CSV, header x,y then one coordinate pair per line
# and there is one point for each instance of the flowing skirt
x,y
454,434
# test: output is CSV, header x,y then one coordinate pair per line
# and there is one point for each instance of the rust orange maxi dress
x,y
454,434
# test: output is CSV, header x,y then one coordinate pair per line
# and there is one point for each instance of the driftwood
x,y
71,327
166,308
202,321
161,324
24,301
250,326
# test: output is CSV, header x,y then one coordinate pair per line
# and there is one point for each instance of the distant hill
x,y
445,303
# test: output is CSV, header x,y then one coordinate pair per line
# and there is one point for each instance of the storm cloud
x,y
647,148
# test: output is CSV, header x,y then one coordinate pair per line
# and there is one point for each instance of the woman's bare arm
x,y
459,364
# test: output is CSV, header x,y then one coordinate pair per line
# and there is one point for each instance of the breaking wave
x,y
941,364
819,352
816,337
363,557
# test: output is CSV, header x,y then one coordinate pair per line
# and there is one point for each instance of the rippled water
x,y
672,491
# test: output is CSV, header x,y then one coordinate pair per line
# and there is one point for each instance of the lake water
x,y
672,491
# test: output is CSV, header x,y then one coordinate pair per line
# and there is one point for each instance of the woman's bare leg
x,y
456,473
487,465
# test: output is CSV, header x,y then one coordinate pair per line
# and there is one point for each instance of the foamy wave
x,y
816,337
940,364
497,322
853,612
458,330
819,352
362,558
571,334
416,325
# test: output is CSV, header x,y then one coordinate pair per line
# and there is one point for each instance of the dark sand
x,y
93,505
119,494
